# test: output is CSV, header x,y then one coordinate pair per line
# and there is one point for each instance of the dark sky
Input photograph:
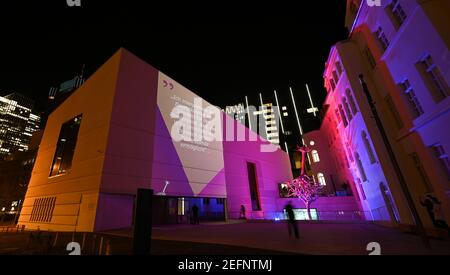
x,y
221,52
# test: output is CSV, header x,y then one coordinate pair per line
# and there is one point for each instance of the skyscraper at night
x,y
17,124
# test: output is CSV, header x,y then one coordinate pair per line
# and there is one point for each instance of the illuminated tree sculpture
x,y
304,187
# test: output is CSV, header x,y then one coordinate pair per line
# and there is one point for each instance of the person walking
x,y
292,222
242,213
195,219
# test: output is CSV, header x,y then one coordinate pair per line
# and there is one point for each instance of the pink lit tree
x,y
304,186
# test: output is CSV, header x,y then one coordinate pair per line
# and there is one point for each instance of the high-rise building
x,y
401,49
17,124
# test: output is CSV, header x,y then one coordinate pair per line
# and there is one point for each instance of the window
x,y
396,13
422,173
361,170
315,156
339,68
283,190
347,109
206,201
414,104
220,201
338,116
369,150
350,155
370,58
65,148
253,183
393,110
433,78
361,190
335,77
344,117
382,39
333,84
321,179
352,102
442,157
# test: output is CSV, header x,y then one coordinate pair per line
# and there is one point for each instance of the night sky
x,y
220,52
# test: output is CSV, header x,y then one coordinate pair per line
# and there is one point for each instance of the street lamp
x,y
396,166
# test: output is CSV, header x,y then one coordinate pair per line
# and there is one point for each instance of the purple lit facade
x,y
401,48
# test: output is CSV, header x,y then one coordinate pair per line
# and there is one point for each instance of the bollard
x,y
108,247
100,247
83,242
56,239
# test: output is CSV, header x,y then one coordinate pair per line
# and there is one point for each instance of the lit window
x,y
442,157
339,68
433,76
285,114
351,101
369,150
397,13
65,148
312,143
315,155
361,170
321,179
382,39
347,109
414,103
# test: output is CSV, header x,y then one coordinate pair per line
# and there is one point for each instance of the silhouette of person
x,y
242,213
292,222
195,219
433,207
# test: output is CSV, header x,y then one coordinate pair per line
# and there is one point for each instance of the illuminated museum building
x,y
17,124
401,49
92,160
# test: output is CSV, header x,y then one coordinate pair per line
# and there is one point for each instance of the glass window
x,y
361,170
382,39
414,103
397,13
315,156
342,113
434,79
351,101
369,150
443,158
321,179
347,109
65,148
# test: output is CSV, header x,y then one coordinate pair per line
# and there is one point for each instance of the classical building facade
x,y
401,49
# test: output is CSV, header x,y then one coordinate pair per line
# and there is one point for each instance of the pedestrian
x,y
195,219
433,206
292,222
242,213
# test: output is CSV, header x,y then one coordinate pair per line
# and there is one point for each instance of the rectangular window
x,y
433,78
422,173
414,104
253,183
370,58
65,148
335,77
382,39
206,201
394,112
339,68
396,13
443,158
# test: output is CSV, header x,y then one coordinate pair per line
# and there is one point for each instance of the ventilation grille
x,y
43,209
